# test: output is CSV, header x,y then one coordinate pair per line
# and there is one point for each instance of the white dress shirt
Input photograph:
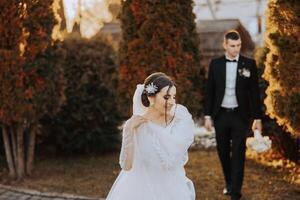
x,y
229,100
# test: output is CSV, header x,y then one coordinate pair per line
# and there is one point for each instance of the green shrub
x,y
89,120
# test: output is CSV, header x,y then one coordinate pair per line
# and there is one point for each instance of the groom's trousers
x,y
231,131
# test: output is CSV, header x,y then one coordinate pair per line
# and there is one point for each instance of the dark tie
x,y
227,60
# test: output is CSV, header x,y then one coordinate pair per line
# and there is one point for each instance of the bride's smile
x,y
152,159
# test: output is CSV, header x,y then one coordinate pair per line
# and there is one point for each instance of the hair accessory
x,y
151,88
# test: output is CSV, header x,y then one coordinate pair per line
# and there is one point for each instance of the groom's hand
x,y
208,123
257,125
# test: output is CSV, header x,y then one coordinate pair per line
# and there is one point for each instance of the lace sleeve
x,y
184,127
173,151
127,149
167,159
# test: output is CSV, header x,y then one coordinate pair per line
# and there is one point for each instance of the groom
x,y
232,100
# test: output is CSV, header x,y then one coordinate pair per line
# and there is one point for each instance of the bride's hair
x,y
160,80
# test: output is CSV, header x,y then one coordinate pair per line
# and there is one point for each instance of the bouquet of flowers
x,y
259,143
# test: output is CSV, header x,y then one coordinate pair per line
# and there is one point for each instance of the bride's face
x,y
164,98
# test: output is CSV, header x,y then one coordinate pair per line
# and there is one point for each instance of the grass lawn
x,y
93,176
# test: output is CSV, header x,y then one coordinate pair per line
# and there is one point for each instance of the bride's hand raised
x,y
134,122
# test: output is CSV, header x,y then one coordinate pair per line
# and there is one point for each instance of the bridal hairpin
x,y
151,88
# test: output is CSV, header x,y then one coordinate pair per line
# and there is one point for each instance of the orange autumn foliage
x,y
282,64
160,36
25,73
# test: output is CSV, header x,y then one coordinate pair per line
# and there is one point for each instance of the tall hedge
x,y
283,63
283,141
31,82
160,35
89,120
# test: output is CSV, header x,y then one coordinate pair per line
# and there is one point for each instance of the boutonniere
x,y
244,72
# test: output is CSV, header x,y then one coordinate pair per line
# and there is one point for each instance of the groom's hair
x,y
231,34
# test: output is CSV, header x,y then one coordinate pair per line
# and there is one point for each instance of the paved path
x,y
11,193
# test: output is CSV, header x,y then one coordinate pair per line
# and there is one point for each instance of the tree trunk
x,y
8,152
19,164
12,133
20,152
30,149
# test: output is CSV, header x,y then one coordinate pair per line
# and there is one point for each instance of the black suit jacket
x,y
247,90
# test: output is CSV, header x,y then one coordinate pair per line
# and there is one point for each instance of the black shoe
x,y
227,191
236,197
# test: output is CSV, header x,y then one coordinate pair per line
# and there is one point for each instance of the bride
x,y
154,146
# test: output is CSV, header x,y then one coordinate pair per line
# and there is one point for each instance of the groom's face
x,y
232,47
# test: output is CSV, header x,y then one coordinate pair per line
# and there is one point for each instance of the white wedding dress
x,y
157,155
